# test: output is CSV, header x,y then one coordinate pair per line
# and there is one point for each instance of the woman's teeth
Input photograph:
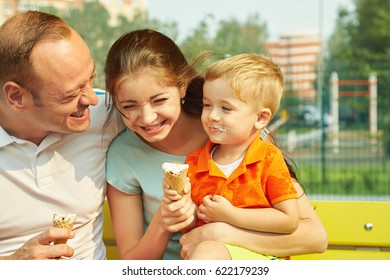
x,y
151,128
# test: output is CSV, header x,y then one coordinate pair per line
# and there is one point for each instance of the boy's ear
x,y
263,118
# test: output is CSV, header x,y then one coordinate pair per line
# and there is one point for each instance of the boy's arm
x,y
282,218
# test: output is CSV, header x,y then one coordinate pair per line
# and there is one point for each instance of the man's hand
x,y
40,247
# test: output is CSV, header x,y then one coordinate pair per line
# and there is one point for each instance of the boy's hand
x,y
215,208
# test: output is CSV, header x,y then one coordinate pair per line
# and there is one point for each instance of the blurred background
x,y
334,120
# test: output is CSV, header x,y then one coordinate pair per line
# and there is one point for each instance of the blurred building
x,y
297,57
127,8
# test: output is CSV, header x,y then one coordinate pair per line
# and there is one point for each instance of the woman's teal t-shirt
x,y
134,167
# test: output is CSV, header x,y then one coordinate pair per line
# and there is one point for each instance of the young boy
x,y
237,178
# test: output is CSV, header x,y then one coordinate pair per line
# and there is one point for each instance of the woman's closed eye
x,y
156,102
129,107
160,100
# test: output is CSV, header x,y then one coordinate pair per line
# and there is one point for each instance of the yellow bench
x,y
108,235
356,231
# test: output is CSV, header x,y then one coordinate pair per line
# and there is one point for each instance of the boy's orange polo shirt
x,y
261,179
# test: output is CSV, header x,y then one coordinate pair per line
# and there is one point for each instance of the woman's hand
x,y
212,231
177,212
171,195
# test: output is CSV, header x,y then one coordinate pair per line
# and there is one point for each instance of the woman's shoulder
x,y
124,141
126,137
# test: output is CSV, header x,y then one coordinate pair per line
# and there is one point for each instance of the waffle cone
x,y
63,222
176,178
176,181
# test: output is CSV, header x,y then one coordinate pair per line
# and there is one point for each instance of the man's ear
x,y
263,118
15,95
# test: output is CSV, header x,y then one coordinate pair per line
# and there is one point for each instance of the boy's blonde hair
x,y
254,78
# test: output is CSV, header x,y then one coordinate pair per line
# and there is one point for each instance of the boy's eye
x,y
225,108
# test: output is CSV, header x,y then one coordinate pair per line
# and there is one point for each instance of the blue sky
x,y
282,16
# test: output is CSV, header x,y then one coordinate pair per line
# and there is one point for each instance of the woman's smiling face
x,y
147,107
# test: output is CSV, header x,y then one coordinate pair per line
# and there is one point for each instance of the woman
x,y
159,96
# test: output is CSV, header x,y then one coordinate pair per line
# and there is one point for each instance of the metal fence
x,y
352,164
357,169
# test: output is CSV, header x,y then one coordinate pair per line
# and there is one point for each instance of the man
x,y
52,143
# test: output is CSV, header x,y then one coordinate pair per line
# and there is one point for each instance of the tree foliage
x,y
234,37
360,45
91,21
230,37
198,41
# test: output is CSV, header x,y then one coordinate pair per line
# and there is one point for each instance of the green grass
x,y
346,180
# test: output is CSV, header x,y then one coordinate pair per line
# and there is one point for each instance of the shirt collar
x,y
256,152
5,138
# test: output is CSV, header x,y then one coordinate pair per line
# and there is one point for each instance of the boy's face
x,y
225,118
